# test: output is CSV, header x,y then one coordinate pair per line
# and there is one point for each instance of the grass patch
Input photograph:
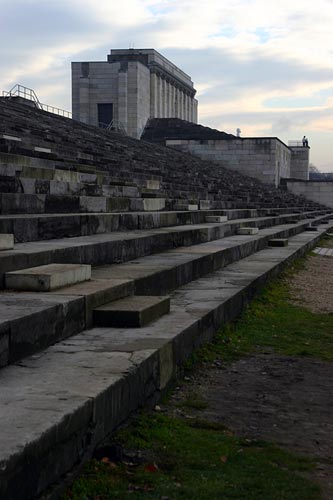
x,y
272,321
326,242
182,460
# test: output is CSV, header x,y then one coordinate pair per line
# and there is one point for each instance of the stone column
x,y
153,95
122,99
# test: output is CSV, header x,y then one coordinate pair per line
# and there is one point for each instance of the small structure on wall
x,y
132,86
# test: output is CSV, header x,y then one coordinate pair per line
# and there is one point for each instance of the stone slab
x,y
132,312
311,228
247,231
6,241
216,218
278,242
47,278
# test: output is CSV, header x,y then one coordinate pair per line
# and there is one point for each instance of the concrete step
x,y
36,227
120,247
58,406
157,274
160,274
47,278
131,312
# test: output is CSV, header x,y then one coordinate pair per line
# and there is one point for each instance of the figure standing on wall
x,y
305,142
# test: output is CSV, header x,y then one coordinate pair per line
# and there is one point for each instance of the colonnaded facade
x,y
132,86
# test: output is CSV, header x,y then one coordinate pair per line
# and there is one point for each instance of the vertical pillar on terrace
x,y
161,98
181,102
153,95
84,100
176,102
170,99
188,102
158,100
122,99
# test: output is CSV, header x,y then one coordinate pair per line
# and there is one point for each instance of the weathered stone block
x,y
153,184
47,278
153,204
132,312
216,218
247,230
278,242
6,241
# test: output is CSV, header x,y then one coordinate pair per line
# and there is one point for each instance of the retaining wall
x,y
318,191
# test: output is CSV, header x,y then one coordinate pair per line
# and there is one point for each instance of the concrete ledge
x,y
47,278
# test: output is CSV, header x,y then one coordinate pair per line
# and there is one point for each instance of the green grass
x,y
272,321
326,242
193,460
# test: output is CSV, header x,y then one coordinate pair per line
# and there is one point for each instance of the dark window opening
x,y
105,114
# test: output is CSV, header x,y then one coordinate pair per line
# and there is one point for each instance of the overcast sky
x,y
263,66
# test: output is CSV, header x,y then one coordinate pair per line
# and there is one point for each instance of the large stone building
x,y
132,86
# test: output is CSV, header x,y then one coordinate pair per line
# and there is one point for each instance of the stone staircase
x,y
105,290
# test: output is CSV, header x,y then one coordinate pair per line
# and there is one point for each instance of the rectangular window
x,y
105,114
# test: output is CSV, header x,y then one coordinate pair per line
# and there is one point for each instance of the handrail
x,y
114,125
29,94
297,144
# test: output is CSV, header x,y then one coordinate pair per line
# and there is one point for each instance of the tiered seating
x,y
113,281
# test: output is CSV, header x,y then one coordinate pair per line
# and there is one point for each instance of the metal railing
x,y
296,144
114,125
30,95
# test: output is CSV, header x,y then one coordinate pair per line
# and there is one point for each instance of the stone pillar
x,y
122,99
84,100
153,95
181,104
188,107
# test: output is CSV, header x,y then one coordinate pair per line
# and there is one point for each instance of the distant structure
x,y
132,86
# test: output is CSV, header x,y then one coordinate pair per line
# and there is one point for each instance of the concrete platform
x,y
47,278
49,425
131,312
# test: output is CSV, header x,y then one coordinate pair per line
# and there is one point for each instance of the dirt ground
x,y
281,399
313,287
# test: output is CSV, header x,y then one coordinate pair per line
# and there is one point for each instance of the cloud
x,y
265,67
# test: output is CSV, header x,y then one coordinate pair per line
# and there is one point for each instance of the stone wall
x,y
266,159
318,191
